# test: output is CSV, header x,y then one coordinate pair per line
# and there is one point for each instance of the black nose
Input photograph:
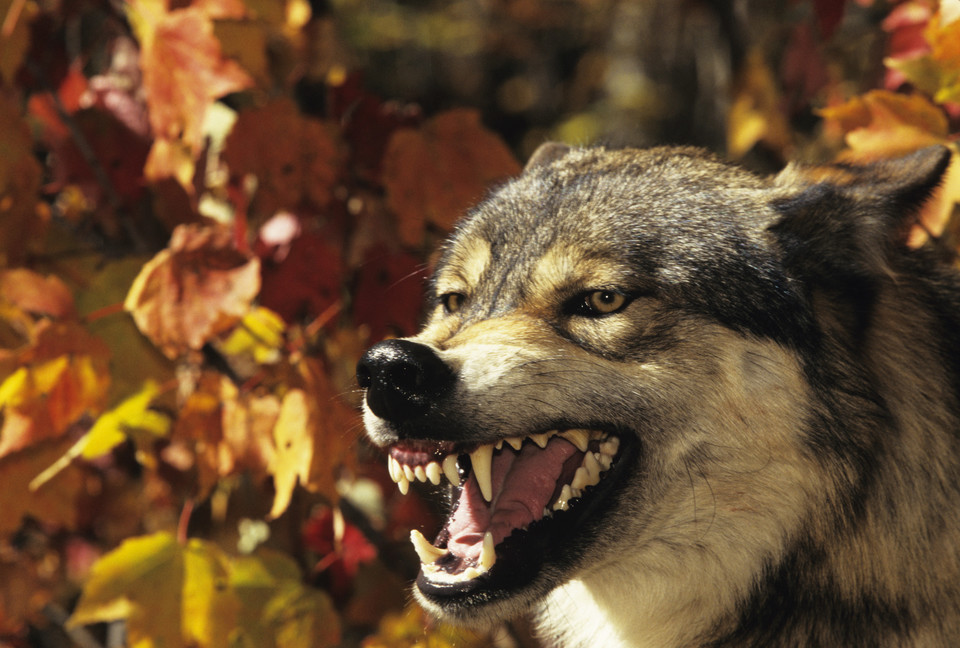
x,y
402,378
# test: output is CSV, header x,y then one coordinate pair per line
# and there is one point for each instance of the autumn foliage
x,y
195,250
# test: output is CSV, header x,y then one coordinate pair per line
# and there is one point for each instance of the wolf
x,y
677,404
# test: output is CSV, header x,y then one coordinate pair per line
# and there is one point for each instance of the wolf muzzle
x,y
402,379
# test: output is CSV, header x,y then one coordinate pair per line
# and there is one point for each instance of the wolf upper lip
x,y
425,463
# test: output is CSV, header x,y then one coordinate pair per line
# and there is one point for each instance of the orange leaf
x,y
883,124
184,72
433,174
195,289
62,376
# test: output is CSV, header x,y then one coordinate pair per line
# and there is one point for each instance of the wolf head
x,y
641,373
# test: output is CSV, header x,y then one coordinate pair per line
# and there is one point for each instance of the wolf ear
x,y
847,219
545,154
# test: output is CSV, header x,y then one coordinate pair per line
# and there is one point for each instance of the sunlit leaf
x,y
260,335
293,435
184,72
883,124
198,287
141,582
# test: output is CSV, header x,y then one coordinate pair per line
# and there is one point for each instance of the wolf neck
x,y
619,607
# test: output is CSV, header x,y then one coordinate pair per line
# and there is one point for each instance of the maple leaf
x,y
63,375
883,124
111,429
169,594
433,174
295,159
278,611
184,72
37,294
306,281
195,289
293,437
341,549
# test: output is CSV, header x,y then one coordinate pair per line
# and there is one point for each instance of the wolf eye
x,y
452,302
597,303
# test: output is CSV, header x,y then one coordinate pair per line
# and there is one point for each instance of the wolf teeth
x,y
481,460
450,470
588,474
488,555
427,552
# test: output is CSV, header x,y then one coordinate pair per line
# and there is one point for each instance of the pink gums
x,y
523,485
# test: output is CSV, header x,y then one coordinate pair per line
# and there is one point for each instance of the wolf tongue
x,y
523,485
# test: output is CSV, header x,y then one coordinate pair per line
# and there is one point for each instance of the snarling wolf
x,y
677,404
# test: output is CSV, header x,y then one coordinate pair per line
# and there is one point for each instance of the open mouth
x,y
515,502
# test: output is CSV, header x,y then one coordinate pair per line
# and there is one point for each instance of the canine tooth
x,y
393,466
480,459
408,473
433,472
541,439
515,442
450,469
579,438
403,484
420,473
488,555
427,552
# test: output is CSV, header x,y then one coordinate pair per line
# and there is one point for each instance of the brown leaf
x,y
21,222
294,159
54,503
433,174
195,289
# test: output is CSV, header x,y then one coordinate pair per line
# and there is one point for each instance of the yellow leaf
x,y
260,335
294,441
210,607
278,610
142,582
111,429
755,114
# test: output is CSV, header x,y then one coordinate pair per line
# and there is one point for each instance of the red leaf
x,y
389,294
